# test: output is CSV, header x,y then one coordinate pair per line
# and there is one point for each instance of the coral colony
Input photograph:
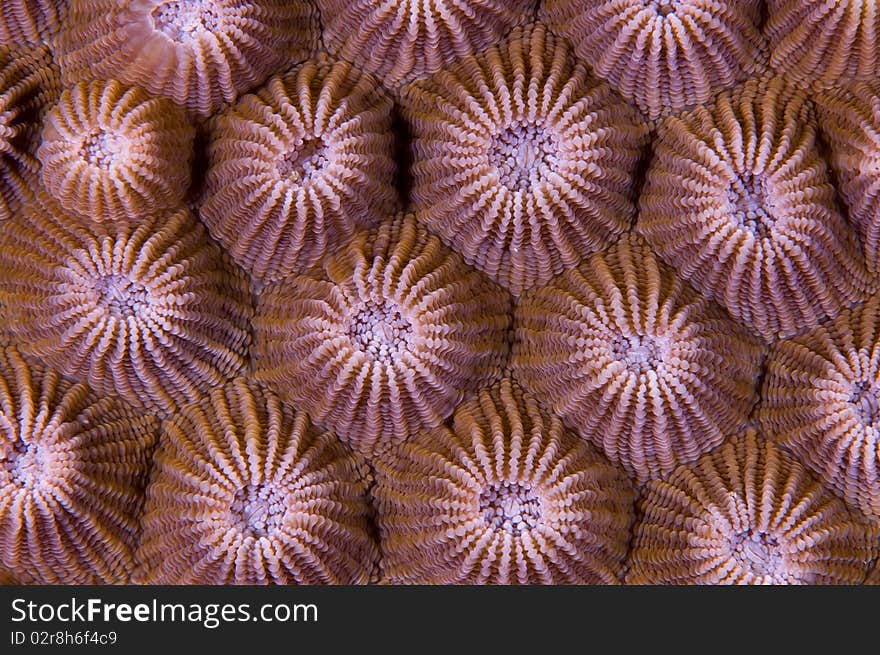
x,y
446,292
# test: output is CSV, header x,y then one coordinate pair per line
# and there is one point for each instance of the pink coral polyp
x,y
385,339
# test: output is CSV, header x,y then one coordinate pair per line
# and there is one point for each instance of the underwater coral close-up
x,y
452,292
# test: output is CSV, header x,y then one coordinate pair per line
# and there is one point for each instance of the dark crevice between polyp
x,y
402,155
200,163
823,146
640,174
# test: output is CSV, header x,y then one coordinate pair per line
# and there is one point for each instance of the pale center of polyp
x,y
305,158
662,7
522,154
27,464
510,506
100,148
751,203
257,510
120,296
758,553
639,353
380,331
185,20
864,401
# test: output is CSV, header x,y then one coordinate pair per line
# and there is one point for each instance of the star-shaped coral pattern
x,y
439,291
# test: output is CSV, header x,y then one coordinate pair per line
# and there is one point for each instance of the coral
x,y
385,338
112,152
663,55
522,162
821,400
29,84
199,53
150,311
739,201
634,360
247,491
30,21
294,169
746,514
504,495
820,42
400,40
73,468
849,117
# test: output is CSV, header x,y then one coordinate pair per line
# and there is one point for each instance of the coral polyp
x,y
73,468
199,53
523,162
112,152
504,495
739,200
151,311
385,339
297,167
630,357
247,491
747,514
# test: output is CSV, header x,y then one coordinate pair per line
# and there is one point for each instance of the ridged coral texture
x,y
747,514
740,201
295,168
29,85
112,152
505,495
523,162
401,40
73,467
439,292
248,491
385,339
821,43
820,400
30,21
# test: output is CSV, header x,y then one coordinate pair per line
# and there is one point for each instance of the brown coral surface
x,y
385,339
663,55
523,162
151,311
821,399
400,40
73,468
247,491
295,168
113,152
199,53
634,360
747,514
504,495
740,202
